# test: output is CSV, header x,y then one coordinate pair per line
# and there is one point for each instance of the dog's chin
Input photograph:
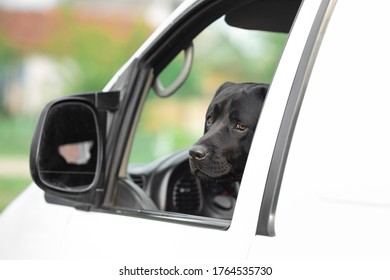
x,y
220,177
203,175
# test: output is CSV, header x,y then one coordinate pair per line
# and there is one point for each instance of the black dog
x,y
221,153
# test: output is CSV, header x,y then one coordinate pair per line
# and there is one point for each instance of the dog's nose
x,y
198,152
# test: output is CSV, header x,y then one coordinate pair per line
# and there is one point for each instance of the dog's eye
x,y
209,120
241,127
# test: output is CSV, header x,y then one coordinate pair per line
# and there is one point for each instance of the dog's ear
x,y
260,90
222,87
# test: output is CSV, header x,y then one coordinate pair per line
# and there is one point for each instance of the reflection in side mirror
x,y
66,152
76,153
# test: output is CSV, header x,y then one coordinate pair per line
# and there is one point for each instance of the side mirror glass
x,y
66,154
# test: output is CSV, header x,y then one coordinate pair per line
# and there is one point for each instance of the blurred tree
x,y
95,46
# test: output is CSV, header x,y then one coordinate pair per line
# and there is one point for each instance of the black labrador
x,y
221,153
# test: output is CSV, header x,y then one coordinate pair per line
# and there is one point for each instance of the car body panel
x,y
32,228
35,229
335,195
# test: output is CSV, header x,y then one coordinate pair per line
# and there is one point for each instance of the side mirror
x,y
67,151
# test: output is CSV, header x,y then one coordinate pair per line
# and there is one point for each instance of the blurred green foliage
x,y
16,135
15,141
98,50
8,54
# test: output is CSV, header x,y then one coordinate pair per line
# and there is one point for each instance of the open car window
x,y
222,53
167,127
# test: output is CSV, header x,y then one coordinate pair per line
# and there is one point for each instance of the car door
x,y
334,198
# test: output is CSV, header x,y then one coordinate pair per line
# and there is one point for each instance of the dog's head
x,y
231,119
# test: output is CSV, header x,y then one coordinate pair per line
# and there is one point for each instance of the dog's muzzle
x,y
197,156
206,164
198,153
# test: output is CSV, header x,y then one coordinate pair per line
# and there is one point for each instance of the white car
x,y
316,184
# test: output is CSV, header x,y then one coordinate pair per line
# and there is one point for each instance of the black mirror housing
x,y
68,147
